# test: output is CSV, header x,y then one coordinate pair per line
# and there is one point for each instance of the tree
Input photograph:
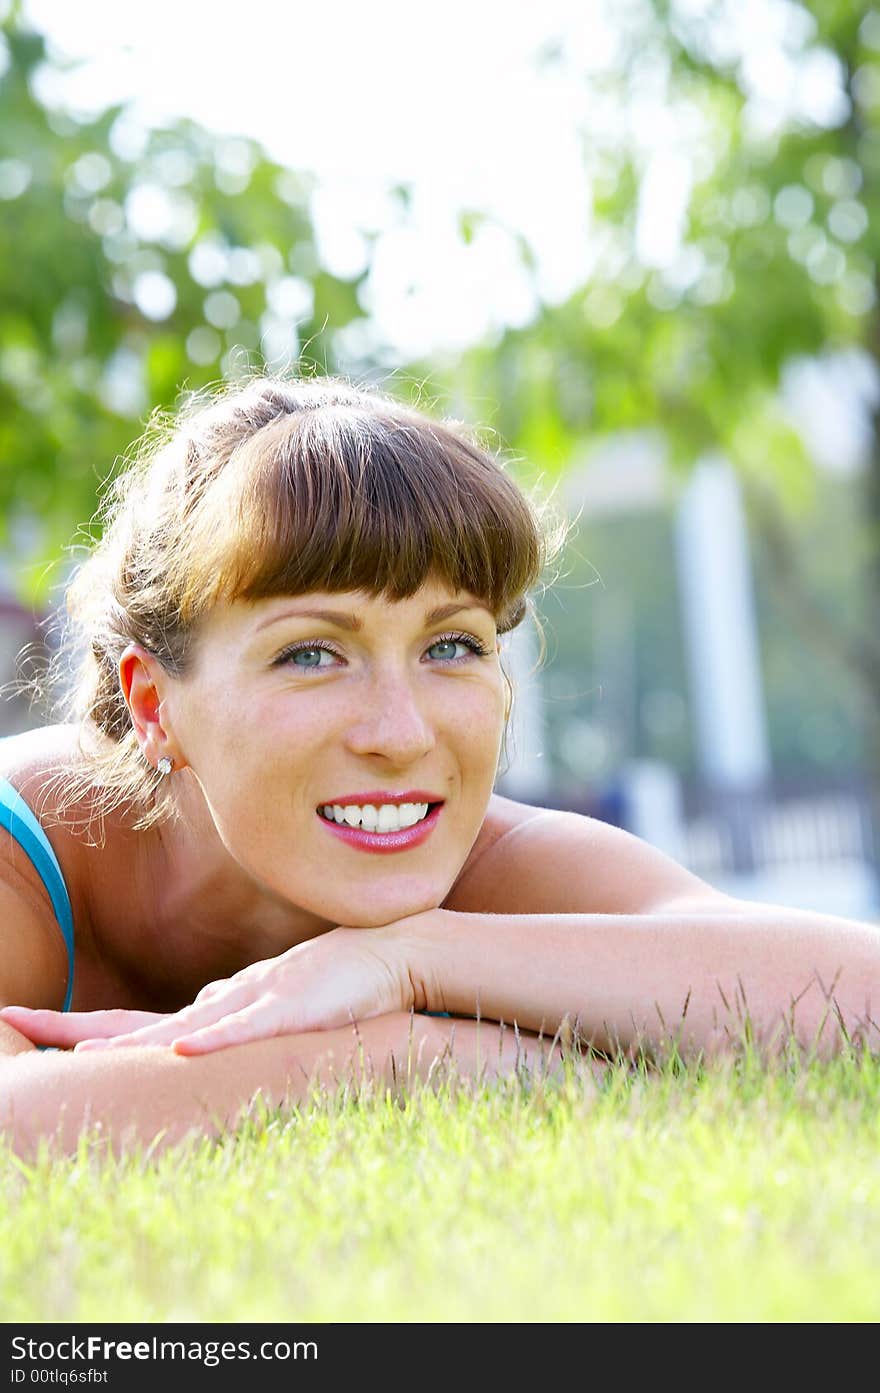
x,y
771,143
133,263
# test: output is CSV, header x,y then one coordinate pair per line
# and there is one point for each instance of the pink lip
x,y
386,842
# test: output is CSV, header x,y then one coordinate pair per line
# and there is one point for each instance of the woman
x,y
274,796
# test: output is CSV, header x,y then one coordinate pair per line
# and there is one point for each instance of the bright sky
x,y
367,95
452,100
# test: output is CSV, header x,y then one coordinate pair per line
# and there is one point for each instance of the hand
x,y
345,975
64,1029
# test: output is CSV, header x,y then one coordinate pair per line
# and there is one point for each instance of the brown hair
x,y
280,487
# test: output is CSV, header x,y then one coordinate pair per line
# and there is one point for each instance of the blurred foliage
x,y
778,252
134,264
777,260
617,687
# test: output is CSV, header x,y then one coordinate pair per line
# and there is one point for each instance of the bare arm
x,y
693,972
139,1095
591,922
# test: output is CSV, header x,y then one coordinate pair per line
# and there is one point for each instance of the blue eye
x,y
313,646
448,642
462,641
290,653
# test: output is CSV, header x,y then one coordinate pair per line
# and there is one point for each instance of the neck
x,y
204,916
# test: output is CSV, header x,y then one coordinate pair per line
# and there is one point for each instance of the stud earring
x,y
165,765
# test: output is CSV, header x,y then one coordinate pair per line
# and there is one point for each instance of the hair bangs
x,y
348,499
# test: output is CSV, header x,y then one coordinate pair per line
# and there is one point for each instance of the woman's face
x,y
288,712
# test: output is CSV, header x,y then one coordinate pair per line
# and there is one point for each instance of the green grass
x,y
730,1192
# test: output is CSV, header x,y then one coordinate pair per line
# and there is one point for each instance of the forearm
x,y
639,979
139,1095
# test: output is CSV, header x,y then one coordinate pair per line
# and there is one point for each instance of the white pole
x,y
721,637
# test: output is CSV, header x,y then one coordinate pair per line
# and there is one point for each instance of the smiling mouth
x,y
391,841
369,818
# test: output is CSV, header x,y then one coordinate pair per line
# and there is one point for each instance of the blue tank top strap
x,y
19,821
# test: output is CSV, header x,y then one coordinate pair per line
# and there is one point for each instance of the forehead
x,y
353,609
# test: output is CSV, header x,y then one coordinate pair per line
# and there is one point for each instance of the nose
x,y
391,719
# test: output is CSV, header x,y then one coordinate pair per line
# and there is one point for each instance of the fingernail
x,y
92,1045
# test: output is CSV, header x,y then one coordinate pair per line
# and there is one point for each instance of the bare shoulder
x,y
33,955
35,763
544,861
502,818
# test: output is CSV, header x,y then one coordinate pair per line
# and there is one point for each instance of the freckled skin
x,y
389,709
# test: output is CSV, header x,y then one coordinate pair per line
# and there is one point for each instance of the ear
x,y
143,681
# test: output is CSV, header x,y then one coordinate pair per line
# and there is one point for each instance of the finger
x,y
67,1028
167,1029
39,1027
241,1028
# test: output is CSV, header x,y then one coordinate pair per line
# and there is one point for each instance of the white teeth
x,y
389,817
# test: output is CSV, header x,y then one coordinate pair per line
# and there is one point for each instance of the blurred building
x,y
19,637
679,701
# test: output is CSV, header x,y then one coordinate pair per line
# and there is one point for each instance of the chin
x,y
383,911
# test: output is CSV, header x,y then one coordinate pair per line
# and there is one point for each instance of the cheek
x,y
474,726
223,735
469,708
493,696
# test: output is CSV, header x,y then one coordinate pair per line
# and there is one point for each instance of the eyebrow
x,y
354,625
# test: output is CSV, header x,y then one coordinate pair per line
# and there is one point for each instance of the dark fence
x,y
787,822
